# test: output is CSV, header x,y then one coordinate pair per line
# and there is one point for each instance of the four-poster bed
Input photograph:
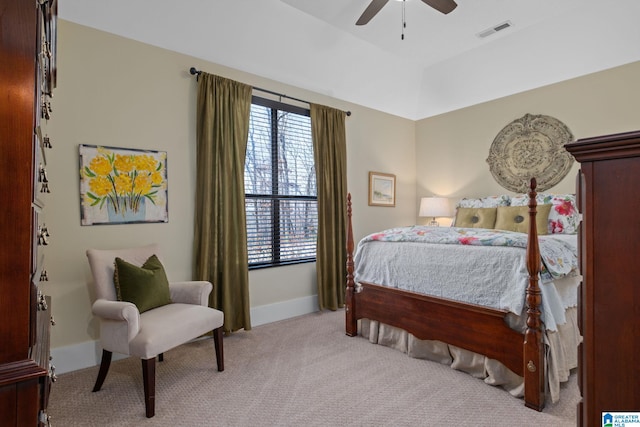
x,y
477,328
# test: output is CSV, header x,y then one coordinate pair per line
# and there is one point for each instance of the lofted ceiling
x,y
441,64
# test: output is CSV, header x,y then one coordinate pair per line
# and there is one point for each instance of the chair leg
x,y
217,340
161,357
104,369
149,380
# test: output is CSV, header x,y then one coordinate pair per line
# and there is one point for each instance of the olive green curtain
x,y
330,153
220,235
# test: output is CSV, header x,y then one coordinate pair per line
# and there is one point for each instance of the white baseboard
x,y
88,354
269,313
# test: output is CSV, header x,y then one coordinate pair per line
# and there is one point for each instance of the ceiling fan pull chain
x,y
404,21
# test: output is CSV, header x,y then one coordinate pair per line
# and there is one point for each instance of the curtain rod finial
x,y
193,71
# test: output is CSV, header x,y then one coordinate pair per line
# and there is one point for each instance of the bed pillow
x,y
476,217
482,202
516,218
485,202
563,217
147,286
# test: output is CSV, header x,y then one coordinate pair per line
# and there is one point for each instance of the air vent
x,y
494,29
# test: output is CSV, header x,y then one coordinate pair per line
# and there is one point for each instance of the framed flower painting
x,y
122,185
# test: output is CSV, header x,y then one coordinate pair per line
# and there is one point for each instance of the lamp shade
x,y
435,207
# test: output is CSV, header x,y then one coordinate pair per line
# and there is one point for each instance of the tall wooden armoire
x,y
609,301
27,78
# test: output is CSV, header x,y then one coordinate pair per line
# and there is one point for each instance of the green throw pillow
x,y
516,218
476,217
147,286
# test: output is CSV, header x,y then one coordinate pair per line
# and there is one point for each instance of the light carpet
x,y
298,372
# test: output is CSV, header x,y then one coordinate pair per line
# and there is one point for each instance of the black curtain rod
x,y
195,72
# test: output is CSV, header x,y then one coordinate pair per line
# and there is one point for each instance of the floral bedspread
x,y
558,257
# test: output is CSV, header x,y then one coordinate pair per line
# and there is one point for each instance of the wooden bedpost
x,y
534,366
351,324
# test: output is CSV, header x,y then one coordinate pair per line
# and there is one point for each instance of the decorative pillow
x,y
563,217
516,218
147,286
482,202
476,217
485,202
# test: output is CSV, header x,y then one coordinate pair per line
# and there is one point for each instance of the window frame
x,y
275,260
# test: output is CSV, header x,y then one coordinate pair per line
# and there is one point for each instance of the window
x,y
281,199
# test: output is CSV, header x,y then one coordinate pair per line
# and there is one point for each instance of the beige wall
x,y
117,92
451,149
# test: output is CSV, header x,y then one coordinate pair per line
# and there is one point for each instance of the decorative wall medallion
x,y
531,147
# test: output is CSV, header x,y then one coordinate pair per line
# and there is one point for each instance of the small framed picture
x,y
382,189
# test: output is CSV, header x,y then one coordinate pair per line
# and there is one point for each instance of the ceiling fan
x,y
444,6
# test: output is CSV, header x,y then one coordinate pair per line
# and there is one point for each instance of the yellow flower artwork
x,y
121,185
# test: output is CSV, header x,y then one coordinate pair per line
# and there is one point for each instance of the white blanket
x,y
492,276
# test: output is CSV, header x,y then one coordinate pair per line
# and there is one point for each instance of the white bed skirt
x,y
561,347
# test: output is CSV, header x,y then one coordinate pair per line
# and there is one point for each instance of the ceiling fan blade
x,y
371,11
444,6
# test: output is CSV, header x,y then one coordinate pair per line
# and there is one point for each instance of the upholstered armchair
x,y
163,322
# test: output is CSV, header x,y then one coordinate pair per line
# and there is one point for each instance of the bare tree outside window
x,y
280,185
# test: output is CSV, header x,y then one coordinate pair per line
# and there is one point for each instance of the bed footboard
x,y
469,326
